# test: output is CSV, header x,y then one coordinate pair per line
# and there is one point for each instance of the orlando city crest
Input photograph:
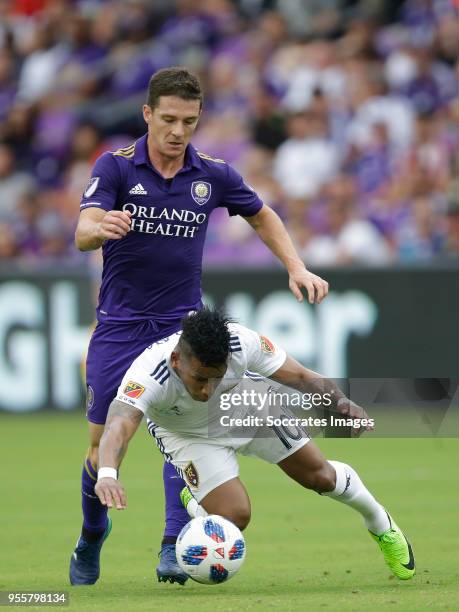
x,y
89,397
200,192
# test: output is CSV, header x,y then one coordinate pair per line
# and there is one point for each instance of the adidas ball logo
x,y
138,190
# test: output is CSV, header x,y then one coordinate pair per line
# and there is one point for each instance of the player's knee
x,y
239,515
323,479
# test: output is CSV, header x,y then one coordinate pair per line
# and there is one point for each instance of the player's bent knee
x,y
323,480
240,516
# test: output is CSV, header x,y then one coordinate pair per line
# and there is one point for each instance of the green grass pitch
x,y
304,552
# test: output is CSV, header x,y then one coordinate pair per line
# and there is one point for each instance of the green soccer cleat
x,y
397,551
185,497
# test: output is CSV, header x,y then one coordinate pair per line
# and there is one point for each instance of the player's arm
x,y
272,231
122,423
96,225
293,374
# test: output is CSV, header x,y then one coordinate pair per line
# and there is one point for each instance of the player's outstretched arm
x,y
272,231
95,226
122,423
293,374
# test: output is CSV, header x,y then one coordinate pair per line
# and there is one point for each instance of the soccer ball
x,y
210,549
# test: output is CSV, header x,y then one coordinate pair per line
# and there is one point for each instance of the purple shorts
x,y
112,349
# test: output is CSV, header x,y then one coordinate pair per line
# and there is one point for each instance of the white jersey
x,y
152,386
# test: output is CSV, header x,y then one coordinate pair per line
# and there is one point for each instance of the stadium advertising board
x,y
375,323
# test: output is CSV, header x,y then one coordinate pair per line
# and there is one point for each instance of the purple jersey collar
x,y
192,159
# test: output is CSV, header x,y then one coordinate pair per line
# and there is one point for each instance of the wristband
x,y
107,472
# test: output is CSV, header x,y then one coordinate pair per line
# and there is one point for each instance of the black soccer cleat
x,y
85,559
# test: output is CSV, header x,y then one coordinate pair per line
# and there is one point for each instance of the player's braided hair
x,y
207,335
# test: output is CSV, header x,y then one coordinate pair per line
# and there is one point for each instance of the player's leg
x,y
340,481
176,517
211,474
308,467
94,513
229,500
175,514
110,353
85,559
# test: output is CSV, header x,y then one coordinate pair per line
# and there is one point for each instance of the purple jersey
x,y
155,271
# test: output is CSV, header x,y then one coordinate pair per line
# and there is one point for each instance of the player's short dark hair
x,y
206,334
174,81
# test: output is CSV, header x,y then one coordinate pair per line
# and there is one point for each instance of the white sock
x,y
194,509
351,491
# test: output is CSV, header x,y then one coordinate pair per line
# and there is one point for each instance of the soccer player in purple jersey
x,y
148,206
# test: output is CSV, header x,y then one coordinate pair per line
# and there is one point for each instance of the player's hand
x,y
111,493
350,409
316,287
114,225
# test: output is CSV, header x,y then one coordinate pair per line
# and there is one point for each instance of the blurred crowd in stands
x,y
342,114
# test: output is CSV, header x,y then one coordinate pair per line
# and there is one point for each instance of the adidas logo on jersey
x,y
138,190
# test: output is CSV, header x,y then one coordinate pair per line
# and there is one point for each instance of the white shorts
x,y
205,464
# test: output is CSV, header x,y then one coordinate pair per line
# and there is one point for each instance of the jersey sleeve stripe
x,y
209,158
163,377
128,149
126,152
159,367
161,372
253,375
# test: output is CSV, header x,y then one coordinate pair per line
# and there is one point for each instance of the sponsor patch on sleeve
x,y
266,345
133,389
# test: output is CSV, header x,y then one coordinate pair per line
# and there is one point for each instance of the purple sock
x,y
176,515
94,513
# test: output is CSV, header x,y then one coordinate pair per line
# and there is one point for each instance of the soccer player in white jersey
x,y
179,382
